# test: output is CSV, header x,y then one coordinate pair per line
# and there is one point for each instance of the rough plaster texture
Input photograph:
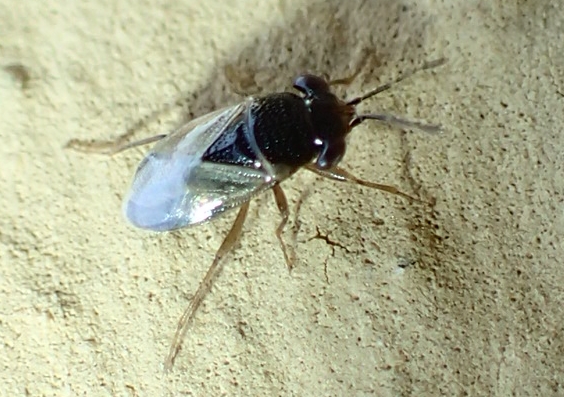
x,y
88,304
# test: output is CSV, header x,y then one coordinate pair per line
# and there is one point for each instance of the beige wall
x,y
88,305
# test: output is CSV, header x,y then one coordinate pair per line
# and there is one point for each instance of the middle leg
x,y
282,204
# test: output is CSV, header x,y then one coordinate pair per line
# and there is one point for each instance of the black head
x,y
331,118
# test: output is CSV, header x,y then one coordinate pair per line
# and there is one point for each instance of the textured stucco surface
x,y
88,305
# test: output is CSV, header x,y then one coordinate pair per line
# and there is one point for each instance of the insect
x,y
220,161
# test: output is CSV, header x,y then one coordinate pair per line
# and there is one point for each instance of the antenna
x,y
388,85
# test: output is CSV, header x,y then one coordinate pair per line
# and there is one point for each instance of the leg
x,y
304,194
121,142
241,82
282,204
349,79
109,147
340,174
205,286
346,80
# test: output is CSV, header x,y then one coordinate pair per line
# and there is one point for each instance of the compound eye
x,y
311,85
331,154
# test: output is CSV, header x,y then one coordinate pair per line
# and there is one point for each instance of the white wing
x,y
174,188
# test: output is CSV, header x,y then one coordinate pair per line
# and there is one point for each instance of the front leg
x,y
339,174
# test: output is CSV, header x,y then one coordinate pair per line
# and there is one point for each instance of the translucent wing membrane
x,y
174,188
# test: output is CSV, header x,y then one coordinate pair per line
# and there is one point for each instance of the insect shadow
x,y
220,161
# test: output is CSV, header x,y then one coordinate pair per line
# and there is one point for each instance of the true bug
x,y
220,161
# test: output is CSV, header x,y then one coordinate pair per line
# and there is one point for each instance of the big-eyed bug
x,y
222,160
